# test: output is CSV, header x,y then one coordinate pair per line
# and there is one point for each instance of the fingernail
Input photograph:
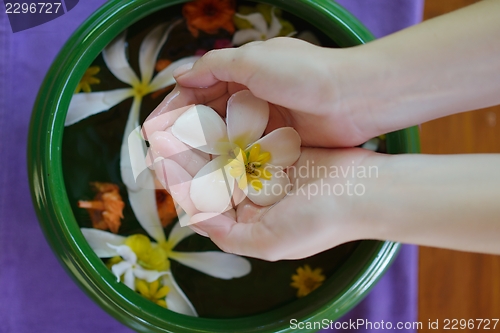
x,y
181,70
198,231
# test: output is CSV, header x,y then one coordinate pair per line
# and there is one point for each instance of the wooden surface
x,y
458,285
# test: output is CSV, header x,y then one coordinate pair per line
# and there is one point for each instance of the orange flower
x,y
166,207
106,210
209,16
161,64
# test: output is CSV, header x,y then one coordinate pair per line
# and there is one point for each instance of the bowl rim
x,y
64,236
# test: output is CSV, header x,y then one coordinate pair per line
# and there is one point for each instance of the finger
x,y
182,96
215,66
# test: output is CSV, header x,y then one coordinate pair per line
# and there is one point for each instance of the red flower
x,y
209,16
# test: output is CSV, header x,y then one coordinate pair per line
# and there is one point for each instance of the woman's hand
x,y
319,213
302,83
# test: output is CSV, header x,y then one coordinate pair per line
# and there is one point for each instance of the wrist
x,y
363,93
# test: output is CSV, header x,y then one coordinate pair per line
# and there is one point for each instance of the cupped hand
x,y
303,94
323,210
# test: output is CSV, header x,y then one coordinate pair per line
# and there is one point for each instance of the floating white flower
x,y
244,157
140,190
84,105
130,269
149,260
260,31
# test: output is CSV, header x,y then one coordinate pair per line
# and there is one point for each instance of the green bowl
x,y
345,288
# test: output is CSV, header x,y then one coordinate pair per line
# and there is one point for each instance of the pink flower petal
x,y
247,118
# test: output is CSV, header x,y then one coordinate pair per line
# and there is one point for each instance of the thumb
x,y
217,65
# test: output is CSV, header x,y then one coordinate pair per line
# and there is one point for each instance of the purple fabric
x,y
36,295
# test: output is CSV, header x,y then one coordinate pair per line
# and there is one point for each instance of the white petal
x,y
273,190
143,204
241,37
257,20
178,233
120,268
116,60
150,47
247,118
275,28
283,144
217,264
176,300
125,252
165,78
129,279
132,148
178,183
84,105
166,145
146,274
202,128
99,240
371,144
184,218
135,163
141,190
212,188
309,37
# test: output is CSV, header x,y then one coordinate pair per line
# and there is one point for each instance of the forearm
x,y
450,201
446,65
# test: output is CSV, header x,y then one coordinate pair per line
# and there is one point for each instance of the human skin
x,y
343,97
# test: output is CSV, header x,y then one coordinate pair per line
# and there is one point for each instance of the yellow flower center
x,y
249,166
153,291
141,89
150,256
88,79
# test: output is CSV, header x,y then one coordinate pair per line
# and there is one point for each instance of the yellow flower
x,y
153,291
88,79
249,166
149,255
306,280
113,261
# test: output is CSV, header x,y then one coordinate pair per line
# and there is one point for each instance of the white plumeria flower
x,y
140,190
84,105
245,158
260,31
130,269
214,263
